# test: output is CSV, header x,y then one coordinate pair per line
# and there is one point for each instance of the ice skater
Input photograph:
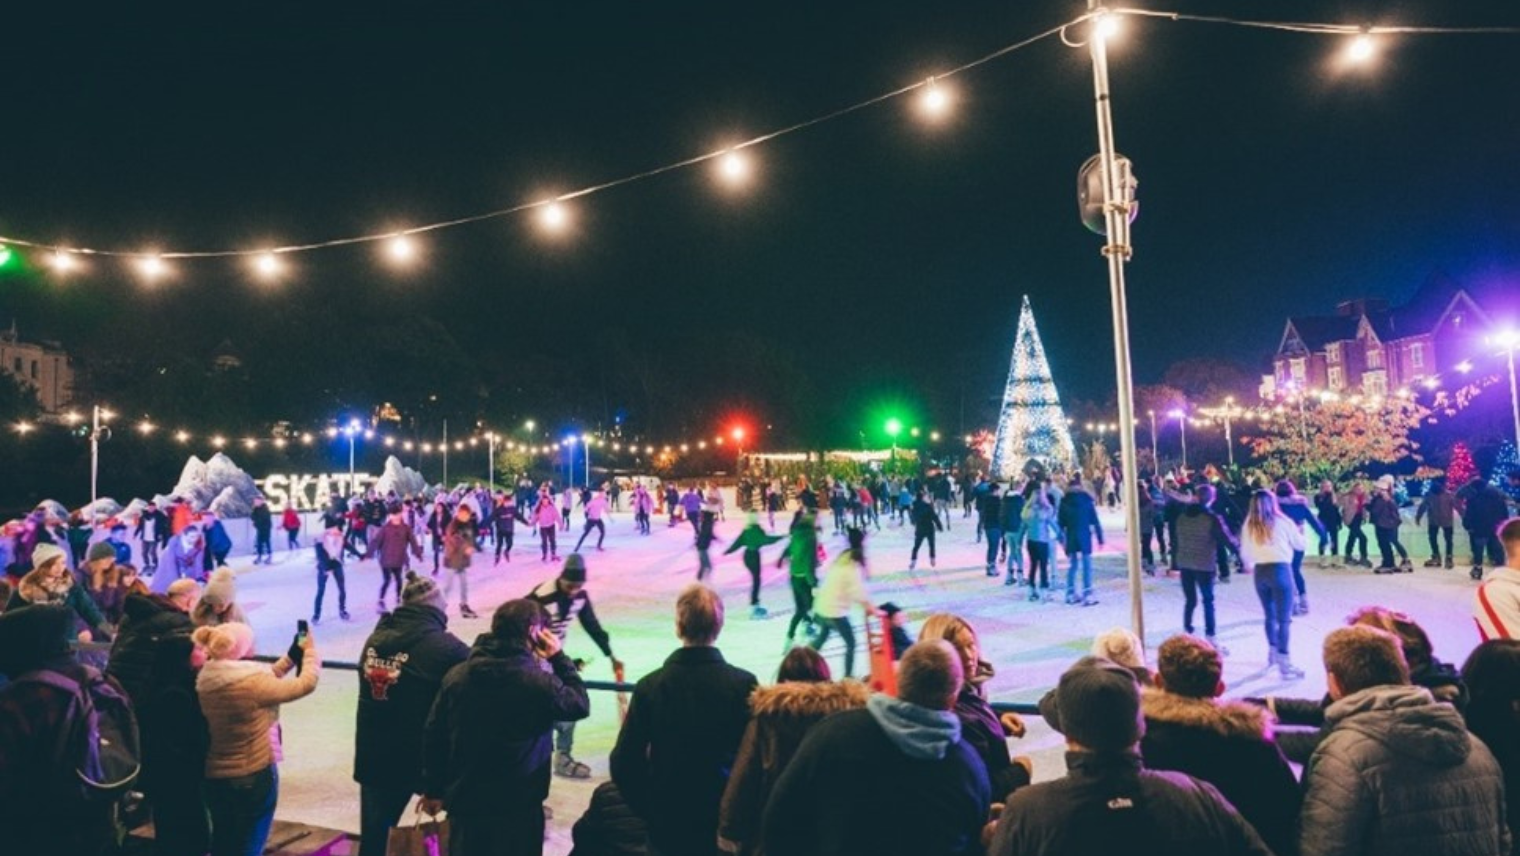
x,y
752,539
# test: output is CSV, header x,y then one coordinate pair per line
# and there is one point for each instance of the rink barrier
x,y
1001,707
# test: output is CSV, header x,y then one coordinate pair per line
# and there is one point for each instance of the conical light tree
x,y
1032,426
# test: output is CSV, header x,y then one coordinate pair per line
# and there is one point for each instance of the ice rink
x,y
633,584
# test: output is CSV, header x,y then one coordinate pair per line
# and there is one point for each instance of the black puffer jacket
x,y
400,669
1230,746
610,827
487,740
149,620
1400,774
1108,803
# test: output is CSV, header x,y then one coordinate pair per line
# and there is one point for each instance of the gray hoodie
x,y
1398,773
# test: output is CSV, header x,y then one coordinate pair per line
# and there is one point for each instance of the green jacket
x,y
752,539
803,551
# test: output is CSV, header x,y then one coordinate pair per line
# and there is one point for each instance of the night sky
x,y
879,256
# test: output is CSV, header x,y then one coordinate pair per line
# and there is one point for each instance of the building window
x,y
1333,353
1298,369
1374,358
1337,378
1375,384
1417,355
34,369
18,367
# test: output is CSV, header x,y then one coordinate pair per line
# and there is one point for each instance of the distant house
x,y
1370,349
44,367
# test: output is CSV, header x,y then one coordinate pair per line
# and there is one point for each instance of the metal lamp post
x,y
1509,340
1181,418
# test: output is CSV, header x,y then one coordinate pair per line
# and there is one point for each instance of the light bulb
x,y
935,100
63,262
152,267
267,264
554,216
1361,48
402,249
733,167
1107,26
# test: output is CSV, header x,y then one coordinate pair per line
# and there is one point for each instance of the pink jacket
x,y
545,514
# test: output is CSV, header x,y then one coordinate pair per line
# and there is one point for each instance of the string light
x,y
1361,48
935,101
182,436
63,262
401,249
267,265
145,427
733,167
554,217
25,428
152,267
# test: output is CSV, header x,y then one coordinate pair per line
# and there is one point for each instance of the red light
x,y
738,433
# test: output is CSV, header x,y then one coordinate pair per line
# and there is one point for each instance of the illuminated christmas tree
x,y
1507,462
1032,426
1461,470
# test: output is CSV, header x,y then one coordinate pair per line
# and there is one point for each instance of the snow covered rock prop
x,y
203,483
101,509
230,504
399,478
54,509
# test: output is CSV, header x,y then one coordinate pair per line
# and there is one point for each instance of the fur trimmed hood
x,y
801,699
1226,718
35,587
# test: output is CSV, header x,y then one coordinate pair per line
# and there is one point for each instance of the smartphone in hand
x,y
297,652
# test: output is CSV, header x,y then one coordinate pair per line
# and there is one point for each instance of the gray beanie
x,y
422,591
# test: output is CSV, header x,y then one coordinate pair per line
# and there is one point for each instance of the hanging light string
x,y
1315,28
266,257
543,203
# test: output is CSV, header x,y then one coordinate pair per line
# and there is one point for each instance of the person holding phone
x,y
487,746
565,600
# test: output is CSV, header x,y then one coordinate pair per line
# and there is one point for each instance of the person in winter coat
x,y
1327,509
218,542
609,827
458,549
926,522
1199,536
981,728
1398,772
156,662
683,729
1425,669
1011,522
438,525
101,577
1384,512
801,559
751,540
546,519
843,588
1496,604
565,600
263,532
486,745
1078,517
1041,530
895,777
989,519
401,667
329,553
184,557
241,701
1440,507
504,518
1483,509
290,521
1292,505
1109,801
51,582
39,817
643,507
596,511
1148,514
691,506
1492,673
1353,505
218,602
781,717
1228,744
152,530
392,543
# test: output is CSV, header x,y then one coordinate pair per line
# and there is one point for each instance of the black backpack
x,y
98,756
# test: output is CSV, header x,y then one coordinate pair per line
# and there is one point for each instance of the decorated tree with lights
x,y
1336,439
1461,469
1507,462
1031,427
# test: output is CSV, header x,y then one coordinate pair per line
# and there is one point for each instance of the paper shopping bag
x,y
422,838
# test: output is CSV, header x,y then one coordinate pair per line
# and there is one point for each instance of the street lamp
x,y
352,432
586,442
1181,416
491,459
894,427
1155,457
569,461
98,432
1509,340
1226,413
738,435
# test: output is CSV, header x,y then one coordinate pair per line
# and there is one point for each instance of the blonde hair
x,y
231,641
1262,516
947,627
